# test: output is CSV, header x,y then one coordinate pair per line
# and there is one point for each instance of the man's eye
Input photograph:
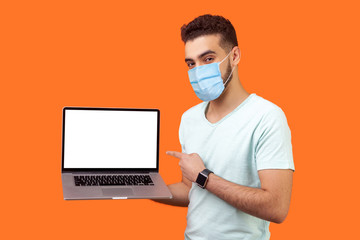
x,y
190,65
209,59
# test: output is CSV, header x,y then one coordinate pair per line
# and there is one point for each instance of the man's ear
x,y
236,56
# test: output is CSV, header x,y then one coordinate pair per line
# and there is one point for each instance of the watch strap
x,y
206,172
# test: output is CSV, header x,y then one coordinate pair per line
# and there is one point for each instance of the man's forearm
x,y
180,194
254,201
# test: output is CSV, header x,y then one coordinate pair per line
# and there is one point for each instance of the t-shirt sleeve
x,y
181,136
273,149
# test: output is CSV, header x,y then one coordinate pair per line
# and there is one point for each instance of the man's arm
x,y
270,202
180,192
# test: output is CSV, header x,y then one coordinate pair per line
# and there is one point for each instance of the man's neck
x,y
234,94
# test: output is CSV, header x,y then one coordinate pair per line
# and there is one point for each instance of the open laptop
x,y
111,153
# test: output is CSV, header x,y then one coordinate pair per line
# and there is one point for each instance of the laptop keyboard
x,y
106,180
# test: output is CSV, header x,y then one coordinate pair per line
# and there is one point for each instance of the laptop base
x,y
72,192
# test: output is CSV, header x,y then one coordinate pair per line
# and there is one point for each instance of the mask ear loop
x,y
229,76
231,70
225,57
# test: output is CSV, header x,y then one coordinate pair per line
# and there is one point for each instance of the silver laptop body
x,y
111,153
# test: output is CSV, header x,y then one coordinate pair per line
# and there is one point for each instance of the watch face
x,y
201,179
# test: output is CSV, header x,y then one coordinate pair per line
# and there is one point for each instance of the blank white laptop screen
x,y
110,139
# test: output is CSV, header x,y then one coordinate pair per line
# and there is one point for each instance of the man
x,y
236,158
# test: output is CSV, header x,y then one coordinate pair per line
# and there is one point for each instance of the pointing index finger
x,y
175,154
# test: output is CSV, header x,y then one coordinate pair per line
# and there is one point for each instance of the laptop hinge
x,y
109,172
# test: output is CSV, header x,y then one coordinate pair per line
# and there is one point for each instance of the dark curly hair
x,y
210,24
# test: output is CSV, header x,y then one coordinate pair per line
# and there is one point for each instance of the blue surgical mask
x,y
206,80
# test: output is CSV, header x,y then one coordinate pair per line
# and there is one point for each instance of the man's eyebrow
x,y
201,55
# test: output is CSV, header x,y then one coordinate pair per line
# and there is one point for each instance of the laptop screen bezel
x,y
118,170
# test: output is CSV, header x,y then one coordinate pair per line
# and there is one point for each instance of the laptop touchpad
x,y
117,191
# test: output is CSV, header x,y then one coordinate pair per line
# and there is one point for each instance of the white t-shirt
x,y
252,137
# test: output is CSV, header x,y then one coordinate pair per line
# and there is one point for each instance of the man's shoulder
x,y
265,107
267,114
263,103
194,111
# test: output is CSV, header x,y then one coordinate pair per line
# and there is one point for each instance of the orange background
x,y
301,55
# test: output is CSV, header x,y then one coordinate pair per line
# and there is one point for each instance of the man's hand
x,y
190,164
